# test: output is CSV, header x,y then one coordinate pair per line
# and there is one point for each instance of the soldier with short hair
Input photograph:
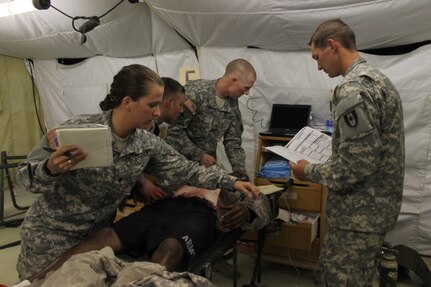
x,y
212,113
365,173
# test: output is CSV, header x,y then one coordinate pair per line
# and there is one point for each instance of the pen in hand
x,y
50,149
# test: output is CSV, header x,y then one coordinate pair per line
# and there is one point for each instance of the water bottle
x,y
388,269
329,126
310,121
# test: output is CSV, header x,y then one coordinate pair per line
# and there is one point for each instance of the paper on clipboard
x,y
309,144
268,189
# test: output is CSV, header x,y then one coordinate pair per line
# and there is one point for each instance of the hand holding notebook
x,y
95,140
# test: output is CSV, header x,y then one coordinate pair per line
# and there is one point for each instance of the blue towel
x,y
275,167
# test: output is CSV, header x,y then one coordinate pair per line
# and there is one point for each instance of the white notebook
x,y
95,140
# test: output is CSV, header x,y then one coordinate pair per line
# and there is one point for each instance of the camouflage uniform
x,y
364,174
203,124
102,268
260,207
75,204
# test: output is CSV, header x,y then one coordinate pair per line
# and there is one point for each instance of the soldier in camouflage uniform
x,y
365,173
212,113
73,204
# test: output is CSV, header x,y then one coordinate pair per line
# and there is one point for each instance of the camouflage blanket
x,y
103,268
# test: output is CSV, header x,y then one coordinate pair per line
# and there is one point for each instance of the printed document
x,y
309,144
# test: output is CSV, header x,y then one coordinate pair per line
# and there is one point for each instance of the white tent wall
x,y
68,90
303,84
149,33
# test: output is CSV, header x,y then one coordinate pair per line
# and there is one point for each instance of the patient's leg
x,y
169,254
102,238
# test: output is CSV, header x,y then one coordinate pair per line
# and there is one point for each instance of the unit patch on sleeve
x,y
351,119
190,106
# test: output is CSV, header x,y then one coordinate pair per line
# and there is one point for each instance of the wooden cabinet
x,y
296,244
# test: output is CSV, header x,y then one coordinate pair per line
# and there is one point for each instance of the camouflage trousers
x,y
349,258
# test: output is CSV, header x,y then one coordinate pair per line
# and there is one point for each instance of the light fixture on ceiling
x,y
90,22
14,7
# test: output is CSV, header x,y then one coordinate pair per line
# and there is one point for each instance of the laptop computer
x,y
287,120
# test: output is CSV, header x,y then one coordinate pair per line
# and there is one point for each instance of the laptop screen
x,y
289,116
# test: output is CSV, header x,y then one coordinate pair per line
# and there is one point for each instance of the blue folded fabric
x,y
275,168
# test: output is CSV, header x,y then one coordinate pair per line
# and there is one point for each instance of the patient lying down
x,y
174,229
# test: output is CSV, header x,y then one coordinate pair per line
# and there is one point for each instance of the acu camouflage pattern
x,y
366,170
355,265
260,206
102,268
198,133
73,205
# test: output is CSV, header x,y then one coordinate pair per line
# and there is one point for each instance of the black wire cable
x,y
85,17
30,62
89,18
68,16
112,8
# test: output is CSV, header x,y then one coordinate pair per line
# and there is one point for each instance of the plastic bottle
x,y
310,122
329,124
388,270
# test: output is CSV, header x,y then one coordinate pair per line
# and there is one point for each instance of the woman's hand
x,y
64,158
151,192
247,188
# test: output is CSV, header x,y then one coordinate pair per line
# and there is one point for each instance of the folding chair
x,y
5,175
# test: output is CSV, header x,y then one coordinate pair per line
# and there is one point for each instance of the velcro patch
x,y
190,106
351,119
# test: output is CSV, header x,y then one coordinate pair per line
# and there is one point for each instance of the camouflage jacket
x,y
76,203
203,124
366,170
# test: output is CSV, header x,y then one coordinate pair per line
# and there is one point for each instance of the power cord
x,y
30,65
298,275
90,23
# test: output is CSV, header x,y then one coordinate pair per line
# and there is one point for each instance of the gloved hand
x,y
241,175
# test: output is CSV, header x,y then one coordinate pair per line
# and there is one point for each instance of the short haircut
x,y
172,87
333,29
242,66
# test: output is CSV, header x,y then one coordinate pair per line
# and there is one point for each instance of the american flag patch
x,y
190,106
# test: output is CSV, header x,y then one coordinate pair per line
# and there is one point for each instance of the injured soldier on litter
x,y
173,230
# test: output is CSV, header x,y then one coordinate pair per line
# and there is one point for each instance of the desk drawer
x,y
304,196
295,235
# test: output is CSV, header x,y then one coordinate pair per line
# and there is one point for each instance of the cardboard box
x,y
295,235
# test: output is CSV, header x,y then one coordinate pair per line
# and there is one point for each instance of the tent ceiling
x,y
141,29
130,30
287,25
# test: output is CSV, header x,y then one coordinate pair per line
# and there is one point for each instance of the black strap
x,y
409,258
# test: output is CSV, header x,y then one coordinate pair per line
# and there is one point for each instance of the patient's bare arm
x,y
102,238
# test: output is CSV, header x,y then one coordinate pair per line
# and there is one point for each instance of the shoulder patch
x,y
190,106
351,119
